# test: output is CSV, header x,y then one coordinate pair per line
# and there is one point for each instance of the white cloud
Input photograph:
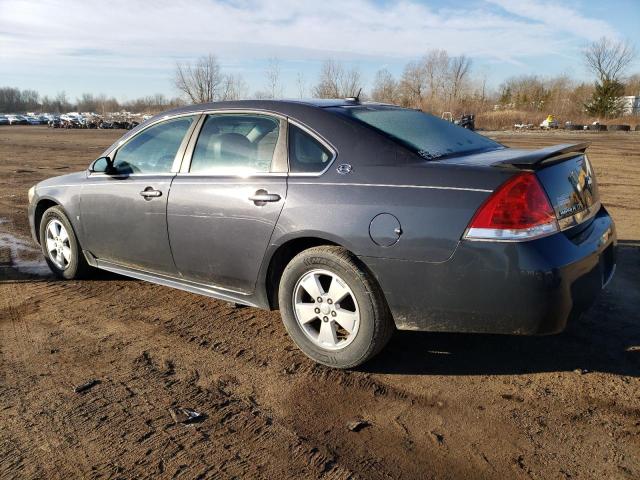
x,y
558,17
141,33
103,42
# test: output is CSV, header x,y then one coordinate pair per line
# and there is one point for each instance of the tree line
x,y
437,82
14,100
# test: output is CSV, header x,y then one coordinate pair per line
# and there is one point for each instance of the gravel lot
x,y
435,405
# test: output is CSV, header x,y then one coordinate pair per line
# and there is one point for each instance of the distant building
x,y
630,105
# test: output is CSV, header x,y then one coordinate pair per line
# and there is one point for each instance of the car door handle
x,y
262,196
149,193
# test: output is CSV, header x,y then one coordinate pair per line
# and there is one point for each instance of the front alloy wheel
x,y
57,244
60,246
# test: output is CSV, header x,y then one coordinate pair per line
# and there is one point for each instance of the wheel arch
x,y
281,257
42,206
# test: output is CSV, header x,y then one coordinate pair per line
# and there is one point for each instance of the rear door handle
x,y
262,196
149,193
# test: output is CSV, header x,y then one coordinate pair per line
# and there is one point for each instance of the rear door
x,y
226,200
124,212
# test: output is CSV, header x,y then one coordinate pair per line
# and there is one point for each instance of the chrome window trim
x,y
176,160
205,178
320,139
188,154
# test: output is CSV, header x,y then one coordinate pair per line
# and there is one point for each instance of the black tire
x,y
375,322
77,265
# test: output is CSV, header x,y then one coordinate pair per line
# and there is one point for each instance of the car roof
x,y
282,106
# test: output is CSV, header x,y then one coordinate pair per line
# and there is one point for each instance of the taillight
x,y
518,210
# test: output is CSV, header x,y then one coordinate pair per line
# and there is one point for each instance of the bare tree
x,y
328,85
274,86
336,82
385,87
436,70
301,83
458,71
200,82
412,85
233,87
608,59
632,86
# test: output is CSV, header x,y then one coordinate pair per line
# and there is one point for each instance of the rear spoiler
x,y
536,157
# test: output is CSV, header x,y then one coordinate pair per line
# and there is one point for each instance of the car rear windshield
x,y
421,132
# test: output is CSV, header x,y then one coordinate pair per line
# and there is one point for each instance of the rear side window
x,y
153,149
232,144
306,154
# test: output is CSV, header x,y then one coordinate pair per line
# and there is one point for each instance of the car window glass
x,y
154,149
235,144
429,136
306,154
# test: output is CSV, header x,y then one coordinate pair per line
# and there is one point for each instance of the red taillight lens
x,y
518,210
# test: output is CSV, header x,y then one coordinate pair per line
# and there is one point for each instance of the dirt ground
x,y
437,405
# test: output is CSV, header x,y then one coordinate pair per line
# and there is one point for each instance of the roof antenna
x,y
355,99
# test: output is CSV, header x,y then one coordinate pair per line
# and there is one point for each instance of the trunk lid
x,y
572,190
563,170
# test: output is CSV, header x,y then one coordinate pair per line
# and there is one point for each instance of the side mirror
x,y
103,165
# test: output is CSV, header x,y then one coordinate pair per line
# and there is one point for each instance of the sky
x,y
129,48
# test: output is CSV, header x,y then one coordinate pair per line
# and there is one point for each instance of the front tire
x,y
60,246
333,308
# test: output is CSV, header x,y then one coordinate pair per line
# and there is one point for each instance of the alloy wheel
x,y
58,244
326,309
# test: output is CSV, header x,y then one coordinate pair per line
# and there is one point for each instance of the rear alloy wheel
x,y
333,308
326,309
60,245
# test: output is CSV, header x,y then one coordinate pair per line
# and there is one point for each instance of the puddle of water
x,y
25,256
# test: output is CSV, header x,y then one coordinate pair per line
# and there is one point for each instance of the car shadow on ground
x,y
605,339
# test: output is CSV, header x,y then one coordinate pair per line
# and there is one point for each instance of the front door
x,y
123,211
224,206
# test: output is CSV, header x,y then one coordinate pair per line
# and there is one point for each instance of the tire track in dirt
x,y
273,413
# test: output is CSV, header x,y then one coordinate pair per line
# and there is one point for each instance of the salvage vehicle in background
x,y
549,123
17,120
353,219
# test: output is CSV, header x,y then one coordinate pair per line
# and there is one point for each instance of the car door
x,y
225,202
123,210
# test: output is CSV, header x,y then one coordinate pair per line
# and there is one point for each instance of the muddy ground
x,y
437,405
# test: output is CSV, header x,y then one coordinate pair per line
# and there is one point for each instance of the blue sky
x,y
129,48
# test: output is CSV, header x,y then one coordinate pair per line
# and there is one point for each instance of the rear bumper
x,y
513,288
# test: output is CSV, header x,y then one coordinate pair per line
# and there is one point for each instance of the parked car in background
x,y
54,122
4,120
549,122
17,120
353,219
33,120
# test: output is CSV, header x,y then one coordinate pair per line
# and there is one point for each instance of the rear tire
x,y
60,246
333,308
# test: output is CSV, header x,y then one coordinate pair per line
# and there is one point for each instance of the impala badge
x,y
344,168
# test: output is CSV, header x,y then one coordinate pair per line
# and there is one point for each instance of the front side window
x,y
306,154
235,144
154,149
